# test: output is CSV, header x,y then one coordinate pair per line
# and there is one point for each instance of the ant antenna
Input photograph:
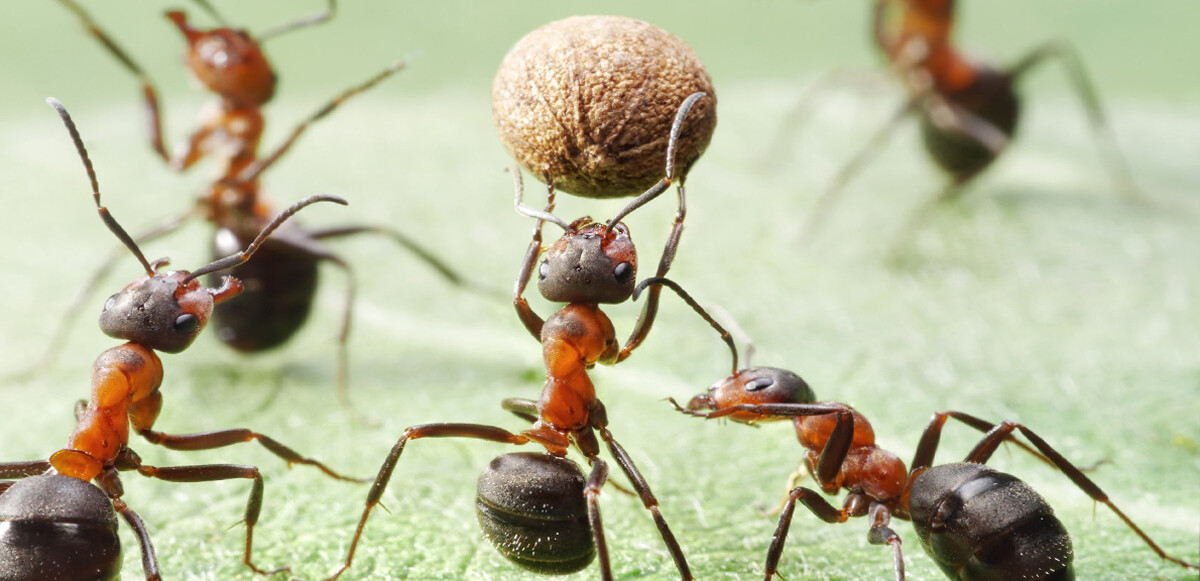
x,y
664,281
672,143
527,210
205,6
318,18
109,221
238,258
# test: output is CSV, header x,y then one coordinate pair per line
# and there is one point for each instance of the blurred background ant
x,y
55,525
976,523
968,111
281,283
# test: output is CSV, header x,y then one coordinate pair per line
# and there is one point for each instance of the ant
x,y
968,111
281,283
974,522
539,510
57,524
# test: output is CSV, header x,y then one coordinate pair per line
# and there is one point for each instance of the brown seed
x,y
589,101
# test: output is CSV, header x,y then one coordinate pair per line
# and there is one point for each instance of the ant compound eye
x,y
623,271
544,270
186,324
759,383
110,302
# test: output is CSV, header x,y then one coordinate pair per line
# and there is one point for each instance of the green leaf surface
x,y
1041,296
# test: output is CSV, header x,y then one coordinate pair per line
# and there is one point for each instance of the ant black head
x,y
227,61
166,311
589,264
532,508
58,527
754,385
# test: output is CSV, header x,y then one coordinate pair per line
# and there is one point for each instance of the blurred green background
x,y
1042,297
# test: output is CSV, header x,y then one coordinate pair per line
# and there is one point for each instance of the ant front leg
x,y
423,254
532,321
217,472
648,500
474,431
220,439
1001,432
1106,141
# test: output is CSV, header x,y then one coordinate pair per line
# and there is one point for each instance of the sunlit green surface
x,y
1042,297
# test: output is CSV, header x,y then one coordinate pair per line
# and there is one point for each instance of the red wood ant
x,y
968,111
58,527
975,522
282,281
539,510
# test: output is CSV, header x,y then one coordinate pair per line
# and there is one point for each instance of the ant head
x,y
229,62
163,311
592,263
754,385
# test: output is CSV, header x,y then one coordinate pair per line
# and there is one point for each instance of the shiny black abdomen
x,y
978,524
280,283
58,528
990,98
532,508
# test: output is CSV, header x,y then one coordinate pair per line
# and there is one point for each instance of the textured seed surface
x,y
589,101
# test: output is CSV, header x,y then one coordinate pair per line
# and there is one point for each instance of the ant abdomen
x,y
979,524
279,288
989,97
57,528
532,508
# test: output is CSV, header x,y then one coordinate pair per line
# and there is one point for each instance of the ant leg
x,y
318,18
882,534
135,522
251,172
23,469
842,178
525,409
816,504
1102,131
424,254
149,93
952,190
596,481
782,145
998,434
532,321
648,500
343,337
645,320
927,447
793,481
217,472
475,431
220,439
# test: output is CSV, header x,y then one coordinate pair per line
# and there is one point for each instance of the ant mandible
x,y
282,281
968,111
56,523
976,523
538,509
